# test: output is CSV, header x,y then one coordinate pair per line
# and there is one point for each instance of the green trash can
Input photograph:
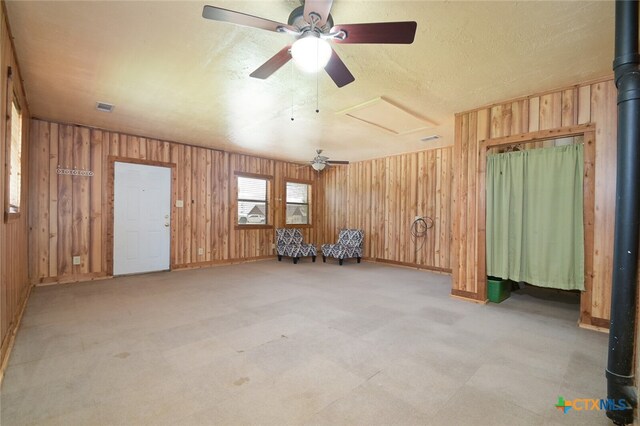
x,y
498,289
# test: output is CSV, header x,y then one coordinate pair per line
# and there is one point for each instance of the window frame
x,y
309,204
12,213
268,201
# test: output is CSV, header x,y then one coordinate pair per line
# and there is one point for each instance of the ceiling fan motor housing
x,y
296,19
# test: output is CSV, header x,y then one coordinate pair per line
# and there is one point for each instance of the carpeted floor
x,y
276,343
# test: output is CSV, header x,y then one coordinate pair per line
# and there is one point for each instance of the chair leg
x,y
358,260
295,260
324,259
340,261
313,258
279,258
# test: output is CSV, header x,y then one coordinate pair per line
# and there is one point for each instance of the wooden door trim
x,y
110,193
589,154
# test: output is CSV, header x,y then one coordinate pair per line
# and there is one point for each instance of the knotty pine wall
x,y
593,103
72,213
383,196
14,281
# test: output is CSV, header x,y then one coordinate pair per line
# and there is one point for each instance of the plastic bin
x,y
498,289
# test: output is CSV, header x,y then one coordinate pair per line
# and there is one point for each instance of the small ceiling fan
x,y
319,162
312,26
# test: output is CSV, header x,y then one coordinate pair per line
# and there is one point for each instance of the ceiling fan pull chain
x,y
291,80
317,84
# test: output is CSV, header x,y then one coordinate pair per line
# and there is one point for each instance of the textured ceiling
x,y
174,75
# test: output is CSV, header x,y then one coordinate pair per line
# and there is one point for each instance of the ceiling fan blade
x,y
238,18
338,71
380,32
320,7
273,64
337,162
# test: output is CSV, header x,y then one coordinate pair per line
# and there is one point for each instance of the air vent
x,y
430,138
104,107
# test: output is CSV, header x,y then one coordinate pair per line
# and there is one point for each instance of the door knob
x,y
166,225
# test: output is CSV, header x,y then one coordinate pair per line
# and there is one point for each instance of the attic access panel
x,y
385,115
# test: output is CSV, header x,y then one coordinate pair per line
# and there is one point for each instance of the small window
x,y
298,195
253,205
14,157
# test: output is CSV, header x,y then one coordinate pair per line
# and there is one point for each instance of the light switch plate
x,y
76,260
179,203
200,251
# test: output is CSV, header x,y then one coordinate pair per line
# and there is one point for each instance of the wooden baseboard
x,y
408,265
587,326
74,278
10,338
212,263
467,296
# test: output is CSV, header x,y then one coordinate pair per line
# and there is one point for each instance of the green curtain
x,y
535,229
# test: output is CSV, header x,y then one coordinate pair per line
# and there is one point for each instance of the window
x,y
14,156
298,195
253,205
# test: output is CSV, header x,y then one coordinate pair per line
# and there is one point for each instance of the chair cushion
x,y
289,243
350,242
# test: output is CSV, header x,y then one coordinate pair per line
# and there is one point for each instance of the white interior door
x,y
142,218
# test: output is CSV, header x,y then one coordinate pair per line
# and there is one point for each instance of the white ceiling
x,y
174,75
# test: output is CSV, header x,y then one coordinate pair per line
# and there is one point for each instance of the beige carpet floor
x,y
275,343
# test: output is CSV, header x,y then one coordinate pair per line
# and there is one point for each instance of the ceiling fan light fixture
x,y
311,53
317,166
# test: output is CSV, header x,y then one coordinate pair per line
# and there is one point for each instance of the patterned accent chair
x,y
289,243
349,245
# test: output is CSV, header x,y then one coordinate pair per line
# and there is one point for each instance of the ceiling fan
x,y
319,162
312,26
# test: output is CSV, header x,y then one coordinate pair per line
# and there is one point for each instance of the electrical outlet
x,y
76,260
200,251
179,203
273,246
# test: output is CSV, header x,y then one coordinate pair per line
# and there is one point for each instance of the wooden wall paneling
x,y
95,202
421,201
188,205
463,283
472,215
431,186
437,188
593,103
586,299
41,175
401,197
53,199
33,199
18,256
604,114
81,200
208,186
520,117
569,114
177,218
534,114
368,207
65,202
383,196
584,104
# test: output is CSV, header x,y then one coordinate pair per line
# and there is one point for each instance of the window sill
x,y
10,217
240,227
298,225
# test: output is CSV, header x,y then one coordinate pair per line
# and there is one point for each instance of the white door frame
x,y
111,160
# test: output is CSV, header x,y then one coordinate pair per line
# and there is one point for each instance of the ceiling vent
x,y
104,107
386,115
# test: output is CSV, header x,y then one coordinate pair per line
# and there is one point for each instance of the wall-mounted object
x,y
74,172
